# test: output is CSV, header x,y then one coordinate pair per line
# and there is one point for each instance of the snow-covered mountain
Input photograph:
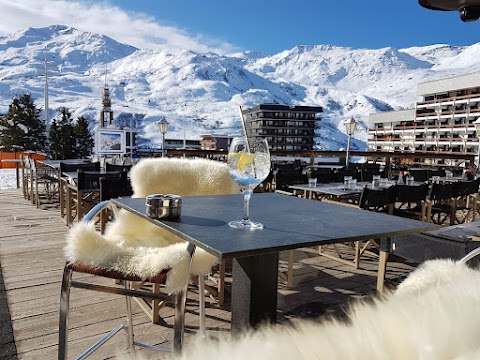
x,y
201,92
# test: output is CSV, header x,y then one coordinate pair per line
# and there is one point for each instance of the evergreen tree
x,y
62,136
35,138
83,137
21,128
56,147
12,132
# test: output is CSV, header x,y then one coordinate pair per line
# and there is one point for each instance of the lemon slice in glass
x,y
245,159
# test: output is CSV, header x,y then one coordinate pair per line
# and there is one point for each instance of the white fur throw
x,y
133,245
438,318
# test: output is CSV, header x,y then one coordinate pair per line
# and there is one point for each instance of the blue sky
x,y
273,26
259,25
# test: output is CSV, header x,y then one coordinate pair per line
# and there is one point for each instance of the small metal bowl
x,y
164,206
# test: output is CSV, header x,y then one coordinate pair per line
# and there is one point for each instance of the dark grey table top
x,y
290,222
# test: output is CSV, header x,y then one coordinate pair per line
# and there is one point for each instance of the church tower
x,y
106,117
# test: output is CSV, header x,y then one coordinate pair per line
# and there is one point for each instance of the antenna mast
x,y
47,123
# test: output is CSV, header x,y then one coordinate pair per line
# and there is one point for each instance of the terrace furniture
x,y
410,201
378,200
113,187
44,183
64,167
115,167
441,206
419,174
83,191
182,177
467,201
26,177
290,223
167,264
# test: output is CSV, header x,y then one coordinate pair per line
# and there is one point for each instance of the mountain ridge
x,y
201,92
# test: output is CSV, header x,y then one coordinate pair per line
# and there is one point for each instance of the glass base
x,y
246,224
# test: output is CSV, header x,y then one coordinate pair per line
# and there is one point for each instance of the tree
x,y
83,137
36,138
62,136
21,128
69,140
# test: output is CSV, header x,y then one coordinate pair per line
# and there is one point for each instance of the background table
x,y
290,222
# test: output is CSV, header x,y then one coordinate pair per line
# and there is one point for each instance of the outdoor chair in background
x,y
323,176
64,181
116,167
410,201
111,188
341,173
436,172
165,265
26,177
85,193
378,200
44,183
289,174
367,171
467,201
419,174
441,203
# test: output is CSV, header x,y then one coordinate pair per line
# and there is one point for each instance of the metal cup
x,y
164,206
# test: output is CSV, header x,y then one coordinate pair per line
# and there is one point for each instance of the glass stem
x,y
246,204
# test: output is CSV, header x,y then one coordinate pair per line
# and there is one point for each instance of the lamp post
x,y
163,126
350,126
477,128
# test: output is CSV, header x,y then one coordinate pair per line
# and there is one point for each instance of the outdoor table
x,y
337,190
17,173
322,191
289,223
449,179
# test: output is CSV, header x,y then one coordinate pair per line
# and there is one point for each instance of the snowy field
x,y
7,179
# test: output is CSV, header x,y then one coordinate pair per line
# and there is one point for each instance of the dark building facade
x,y
286,128
215,142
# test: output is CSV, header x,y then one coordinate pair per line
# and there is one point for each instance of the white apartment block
x,y
441,122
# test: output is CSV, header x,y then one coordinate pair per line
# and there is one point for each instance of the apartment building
x,y
286,128
443,121
215,141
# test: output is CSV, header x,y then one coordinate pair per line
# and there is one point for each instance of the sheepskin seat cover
x,y
133,245
434,315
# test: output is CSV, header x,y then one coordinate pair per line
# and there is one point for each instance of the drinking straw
x,y
242,120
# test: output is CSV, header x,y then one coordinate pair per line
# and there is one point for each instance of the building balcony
x,y
449,101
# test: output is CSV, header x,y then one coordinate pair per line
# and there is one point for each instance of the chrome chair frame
x,y
179,299
470,256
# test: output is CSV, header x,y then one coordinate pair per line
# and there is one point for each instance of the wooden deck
x,y
31,259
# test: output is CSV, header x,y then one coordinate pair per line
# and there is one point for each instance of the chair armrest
x,y
470,256
97,209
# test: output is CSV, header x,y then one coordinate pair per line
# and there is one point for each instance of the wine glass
x,y
249,164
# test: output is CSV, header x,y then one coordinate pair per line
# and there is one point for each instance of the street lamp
x,y
163,126
477,128
350,126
